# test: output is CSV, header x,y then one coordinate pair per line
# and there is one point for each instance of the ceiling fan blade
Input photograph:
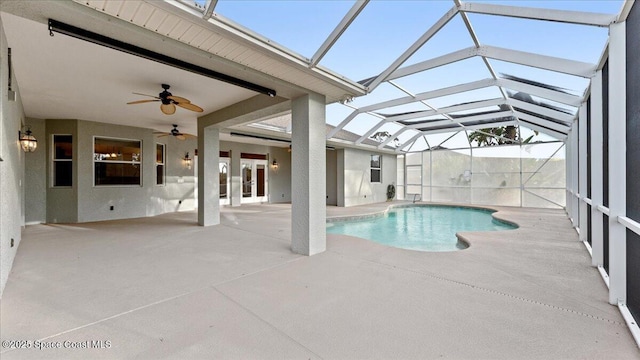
x,y
191,107
164,134
181,137
178,99
140,102
168,109
153,96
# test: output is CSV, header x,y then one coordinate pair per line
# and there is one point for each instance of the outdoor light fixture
x,y
27,141
275,165
187,161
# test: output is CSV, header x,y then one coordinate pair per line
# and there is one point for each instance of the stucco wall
x,y
332,177
94,202
358,189
279,182
178,193
62,202
35,183
85,202
11,169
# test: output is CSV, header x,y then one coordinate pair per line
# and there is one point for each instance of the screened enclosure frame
x,y
600,196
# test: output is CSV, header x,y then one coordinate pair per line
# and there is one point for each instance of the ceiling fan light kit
x,y
168,101
175,133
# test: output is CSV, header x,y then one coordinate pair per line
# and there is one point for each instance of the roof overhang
x,y
220,37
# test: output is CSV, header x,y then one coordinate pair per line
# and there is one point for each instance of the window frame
x,y
372,168
54,160
133,162
163,163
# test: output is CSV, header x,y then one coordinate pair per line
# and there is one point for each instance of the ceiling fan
x,y
174,132
169,101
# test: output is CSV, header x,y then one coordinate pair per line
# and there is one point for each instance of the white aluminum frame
x,y
582,172
444,20
597,196
617,164
348,18
557,96
551,63
565,16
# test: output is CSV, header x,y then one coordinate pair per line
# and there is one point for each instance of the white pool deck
x,y
163,287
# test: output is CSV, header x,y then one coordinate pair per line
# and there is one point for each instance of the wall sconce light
x,y
275,165
187,161
27,141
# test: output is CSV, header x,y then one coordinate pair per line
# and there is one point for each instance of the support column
x,y
308,171
582,171
235,172
208,176
575,163
597,246
568,181
573,180
617,164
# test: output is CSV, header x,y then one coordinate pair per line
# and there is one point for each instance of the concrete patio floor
x,y
162,287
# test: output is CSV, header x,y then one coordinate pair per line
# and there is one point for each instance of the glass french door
x,y
225,179
254,181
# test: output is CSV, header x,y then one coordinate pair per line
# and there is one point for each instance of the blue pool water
x,y
424,228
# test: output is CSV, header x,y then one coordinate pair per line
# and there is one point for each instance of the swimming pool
x,y
423,228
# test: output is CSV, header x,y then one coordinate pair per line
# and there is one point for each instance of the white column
x,y
308,175
208,176
576,175
569,182
576,178
617,164
597,246
235,195
582,172
573,143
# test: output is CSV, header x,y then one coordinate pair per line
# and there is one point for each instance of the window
x,y
159,164
376,169
62,160
223,169
117,161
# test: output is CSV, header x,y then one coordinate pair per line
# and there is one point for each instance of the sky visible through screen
x,y
386,28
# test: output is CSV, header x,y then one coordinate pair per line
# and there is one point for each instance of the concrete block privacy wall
x,y
11,168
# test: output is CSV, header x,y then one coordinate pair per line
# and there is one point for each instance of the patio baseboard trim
x,y
588,246
603,273
631,322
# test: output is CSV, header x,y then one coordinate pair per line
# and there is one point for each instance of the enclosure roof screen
x,y
514,71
